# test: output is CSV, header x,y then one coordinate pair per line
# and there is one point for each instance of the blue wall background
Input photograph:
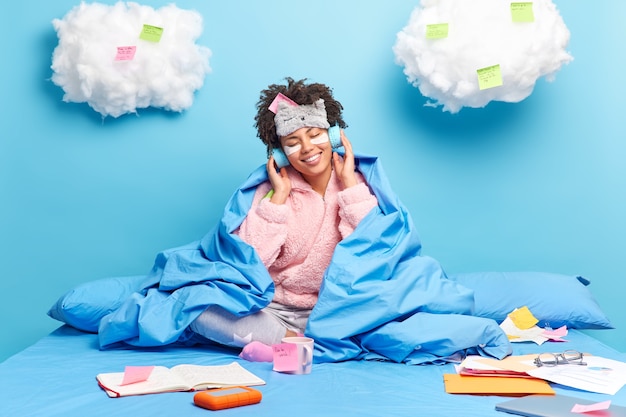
x,y
533,186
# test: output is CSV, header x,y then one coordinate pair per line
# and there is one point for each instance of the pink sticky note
x,y
560,332
280,97
556,339
285,357
579,408
556,335
125,53
134,374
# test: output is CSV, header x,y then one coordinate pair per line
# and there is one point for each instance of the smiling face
x,y
301,92
309,152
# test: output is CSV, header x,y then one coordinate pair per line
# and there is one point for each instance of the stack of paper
x,y
521,326
519,374
509,376
601,375
512,366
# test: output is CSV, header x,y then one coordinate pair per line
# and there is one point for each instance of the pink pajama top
x,y
296,240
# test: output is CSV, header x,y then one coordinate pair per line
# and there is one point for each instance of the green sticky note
x,y
522,12
489,77
437,31
151,33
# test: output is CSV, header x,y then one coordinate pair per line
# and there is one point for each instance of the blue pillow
x,y
84,306
554,299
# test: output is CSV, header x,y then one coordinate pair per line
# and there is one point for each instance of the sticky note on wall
x,y
151,33
522,12
489,77
437,31
125,53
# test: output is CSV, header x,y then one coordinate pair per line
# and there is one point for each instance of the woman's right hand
x,y
280,182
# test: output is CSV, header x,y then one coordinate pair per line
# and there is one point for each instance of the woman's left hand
x,y
344,168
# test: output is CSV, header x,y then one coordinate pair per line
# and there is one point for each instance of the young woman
x,y
321,246
297,217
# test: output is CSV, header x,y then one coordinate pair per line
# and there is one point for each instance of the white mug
x,y
305,353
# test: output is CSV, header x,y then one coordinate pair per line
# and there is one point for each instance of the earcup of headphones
x,y
280,158
334,133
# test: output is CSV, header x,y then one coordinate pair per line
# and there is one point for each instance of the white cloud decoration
x,y
449,48
123,57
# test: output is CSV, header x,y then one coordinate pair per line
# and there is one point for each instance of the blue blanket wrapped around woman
x,y
380,299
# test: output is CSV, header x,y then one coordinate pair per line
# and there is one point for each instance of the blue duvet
x,y
381,299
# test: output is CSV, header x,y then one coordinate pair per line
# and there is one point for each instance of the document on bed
x,y
509,366
157,379
605,376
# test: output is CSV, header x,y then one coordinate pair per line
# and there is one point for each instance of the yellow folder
x,y
495,385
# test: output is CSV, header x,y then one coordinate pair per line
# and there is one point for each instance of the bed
x,y
56,375
387,324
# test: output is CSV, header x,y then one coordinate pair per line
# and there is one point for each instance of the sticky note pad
x,y
125,53
285,357
134,374
523,318
489,77
437,31
556,333
522,12
579,408
280,97
151,33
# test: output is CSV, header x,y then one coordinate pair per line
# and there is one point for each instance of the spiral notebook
x,y
554,406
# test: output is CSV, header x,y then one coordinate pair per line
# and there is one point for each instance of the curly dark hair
x,y
302,93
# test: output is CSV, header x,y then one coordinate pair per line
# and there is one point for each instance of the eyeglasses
x,y
568,357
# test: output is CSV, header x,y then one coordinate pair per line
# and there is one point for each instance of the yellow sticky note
x,y
489,77
522,12
151,33
523,318
437,31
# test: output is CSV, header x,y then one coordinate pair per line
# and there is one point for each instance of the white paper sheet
x,y
602,375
